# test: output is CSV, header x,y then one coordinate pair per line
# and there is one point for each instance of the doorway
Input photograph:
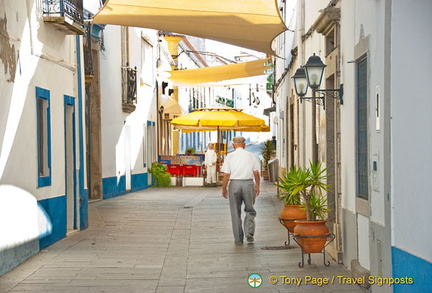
x,y
70,163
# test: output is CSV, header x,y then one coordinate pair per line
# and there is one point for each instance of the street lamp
x,y
311,75
314,69
300,82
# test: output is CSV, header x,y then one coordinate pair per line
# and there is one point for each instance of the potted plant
x,y
292,201
267,150
190,151
311,184
162,177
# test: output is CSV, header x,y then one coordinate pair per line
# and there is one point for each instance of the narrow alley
x,y
174,239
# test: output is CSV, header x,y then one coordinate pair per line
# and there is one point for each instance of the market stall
x,y
185,170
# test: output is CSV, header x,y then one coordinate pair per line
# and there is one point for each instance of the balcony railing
x,y
129,89
67,15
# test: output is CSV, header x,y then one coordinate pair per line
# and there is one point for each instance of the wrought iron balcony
x,y
66,15
129,89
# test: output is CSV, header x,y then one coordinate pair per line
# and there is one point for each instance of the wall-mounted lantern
x,y
310,75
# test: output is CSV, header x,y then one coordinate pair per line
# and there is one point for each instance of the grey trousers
x,y
242,191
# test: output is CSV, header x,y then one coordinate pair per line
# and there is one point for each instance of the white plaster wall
x,y
348,109
123,133
377,72
111,108
363,238
146,92
46,60
366,19
314,43
282,126
411,127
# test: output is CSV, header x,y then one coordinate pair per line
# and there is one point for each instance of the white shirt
x,y
210,157
241,165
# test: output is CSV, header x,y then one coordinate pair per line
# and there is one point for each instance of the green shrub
x,y
162,177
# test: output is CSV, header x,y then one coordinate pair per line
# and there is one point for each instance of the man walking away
x,y
210,163
240,169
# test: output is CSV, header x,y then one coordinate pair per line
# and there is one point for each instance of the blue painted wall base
x,y
56,210
139,181
84,210
408,265
113,186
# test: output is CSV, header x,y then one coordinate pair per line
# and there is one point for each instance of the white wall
x,y
411,127
46,60
122,132
363,238
348,110
111,94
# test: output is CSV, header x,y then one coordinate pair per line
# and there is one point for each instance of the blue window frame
x,y
43,130
362,130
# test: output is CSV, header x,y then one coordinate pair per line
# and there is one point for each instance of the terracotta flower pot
x,y
315,229
291,213
265,174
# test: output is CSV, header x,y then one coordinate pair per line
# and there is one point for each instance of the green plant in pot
x,y
267,151
311,186
292,201
162,177
190,151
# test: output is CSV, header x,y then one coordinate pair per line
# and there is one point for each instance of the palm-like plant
x,y
267,150
287,183
307,184
314,202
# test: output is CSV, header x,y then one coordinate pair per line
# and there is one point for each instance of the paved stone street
x,y
174,239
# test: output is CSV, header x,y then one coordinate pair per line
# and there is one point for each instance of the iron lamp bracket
x,y
336,94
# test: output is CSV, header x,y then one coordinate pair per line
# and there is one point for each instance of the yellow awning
x,y
218,73
250,24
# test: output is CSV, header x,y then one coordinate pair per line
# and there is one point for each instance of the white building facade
x,y
374,142
42,128
124,96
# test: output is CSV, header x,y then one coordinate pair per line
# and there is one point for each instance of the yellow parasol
x,y
217,118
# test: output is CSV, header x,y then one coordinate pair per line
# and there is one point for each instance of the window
x,y
362,131
147,66
330,42
43,125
